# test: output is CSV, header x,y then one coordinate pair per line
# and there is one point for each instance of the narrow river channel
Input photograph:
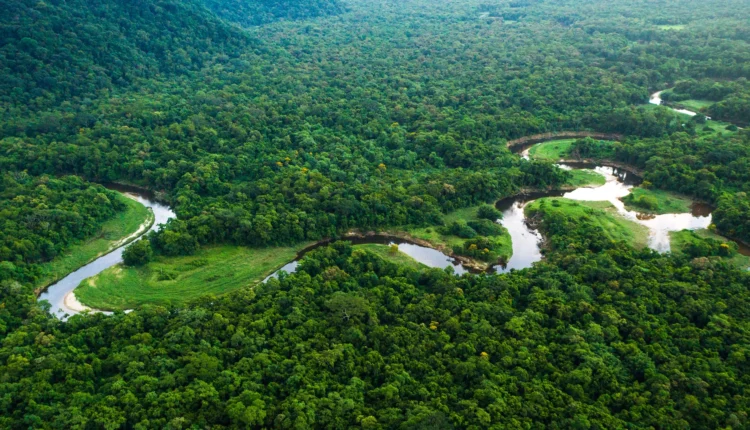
x,y
60,294
655,99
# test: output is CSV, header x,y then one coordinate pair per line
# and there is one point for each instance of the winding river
x,y
655,99
526,240
60,294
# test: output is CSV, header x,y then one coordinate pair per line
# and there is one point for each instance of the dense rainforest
x,y
268,122
41,216
598,336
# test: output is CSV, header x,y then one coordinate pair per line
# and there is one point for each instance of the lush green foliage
x,y
390,114
65,51
489,213
114,232
733,98
465,227
40,217
138,253
256,12
269,145
351,339
732,215
178,279
555,215
656,201
705,243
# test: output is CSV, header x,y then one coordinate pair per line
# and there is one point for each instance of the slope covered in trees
x,y
286,142
257,12
54,51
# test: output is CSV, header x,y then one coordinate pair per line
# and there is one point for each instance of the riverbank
x,y
123,228
543,137
469,263
658,202
216,270
176,280
599,213
683,239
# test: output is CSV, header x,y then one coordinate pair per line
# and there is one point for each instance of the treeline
x,y
41,216
350,340
732,214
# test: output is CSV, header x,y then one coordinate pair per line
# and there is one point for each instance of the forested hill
x,y
256,12
58,50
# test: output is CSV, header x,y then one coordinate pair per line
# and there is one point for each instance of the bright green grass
x,y
680,239
384,251
212,270
681,117
603,214
586,178
694,105
122,225
449,243
676,27
718,127
665,202
552,150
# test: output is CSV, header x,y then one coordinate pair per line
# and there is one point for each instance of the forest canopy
x,y
264,122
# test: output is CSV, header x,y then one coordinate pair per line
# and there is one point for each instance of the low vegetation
x,y
656,201
600,214
552,150
176,280
469,233
704,243
585,178
390,253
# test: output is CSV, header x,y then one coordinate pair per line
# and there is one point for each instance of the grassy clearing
x,y
681,239
384,252
656,202
694,105
454,244
717,127
675,27
602,214
212,270
552,150
112,232
585,178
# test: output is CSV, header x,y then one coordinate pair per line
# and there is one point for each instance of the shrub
x,y
486,228
489,212
460,229
138,253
